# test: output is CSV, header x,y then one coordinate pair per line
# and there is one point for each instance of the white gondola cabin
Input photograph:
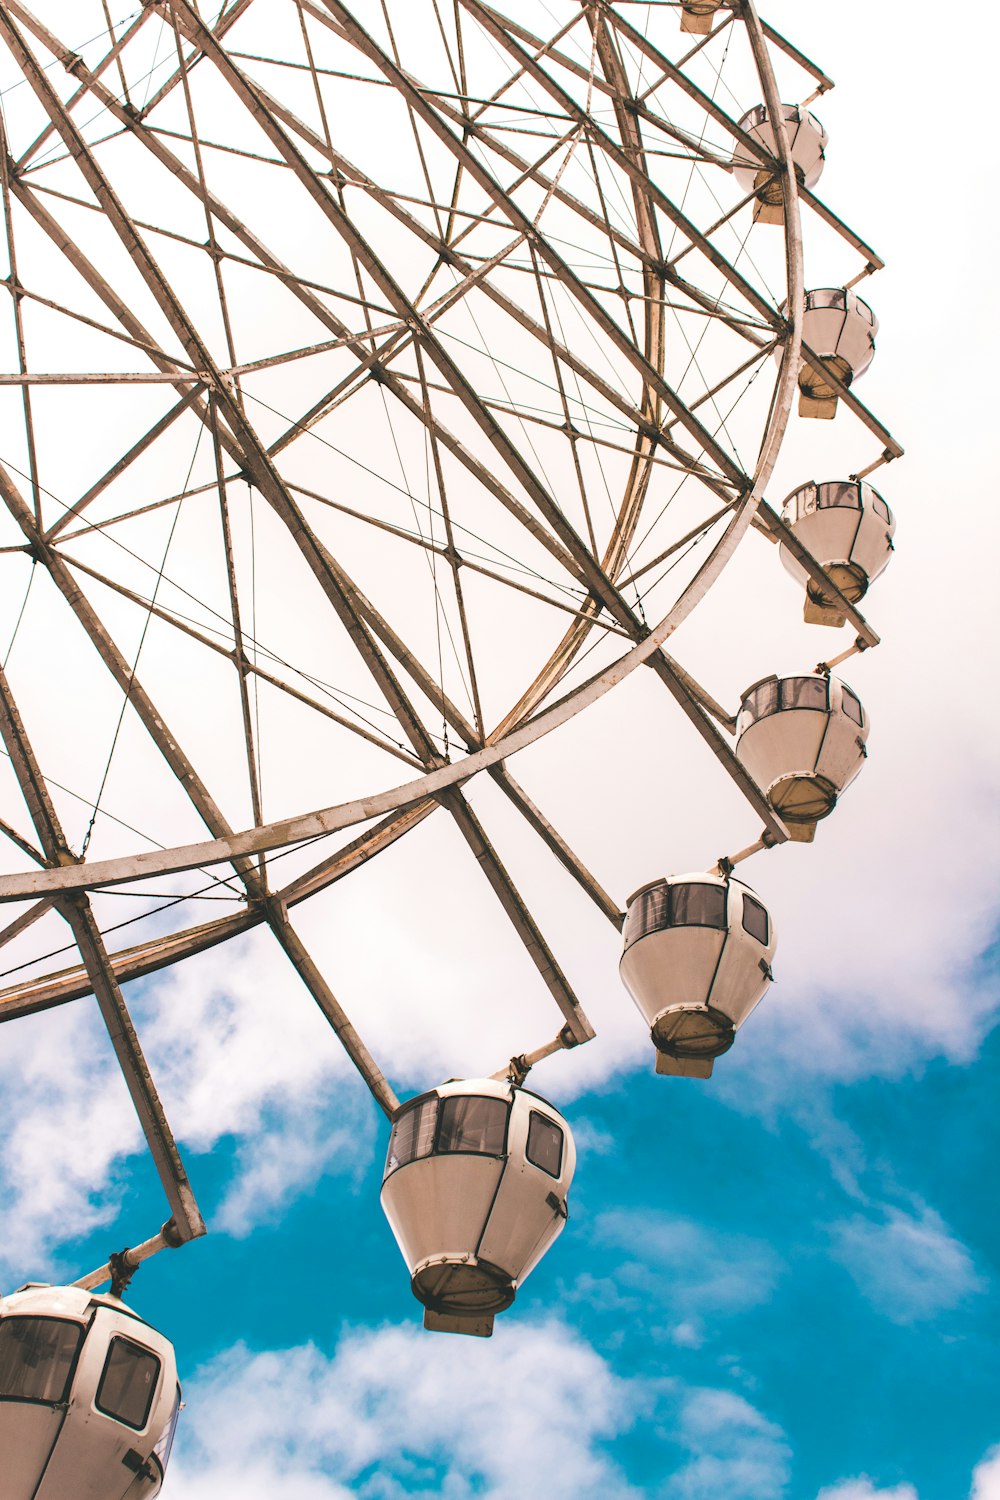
x,y
697,960
475,1189
88,1398
841,329
848,528
698,15
807,141
803,741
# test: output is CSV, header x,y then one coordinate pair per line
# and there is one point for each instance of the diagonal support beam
x,y
577,1025
188,1223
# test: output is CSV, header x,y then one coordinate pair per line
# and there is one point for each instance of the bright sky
x,y
778,1285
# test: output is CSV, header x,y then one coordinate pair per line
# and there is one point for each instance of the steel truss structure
x,y
393,381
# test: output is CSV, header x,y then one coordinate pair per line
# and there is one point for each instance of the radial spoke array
x,y
376,379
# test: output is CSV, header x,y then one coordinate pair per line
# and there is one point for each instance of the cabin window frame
x,y
761,701
438,1102
549,1123
848,695
750,902
443,1103
799,504
422,1101
822,683
107,1411
71,1368
827,298
665,894
699,885
838,494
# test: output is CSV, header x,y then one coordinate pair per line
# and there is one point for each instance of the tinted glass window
x,y
698,905
804,692
852,705
799,503
880,508
762,700
755,919
36,1358
804,501
545,1144
478,1125
648,913
833,495
128,1384
412,1134
827,297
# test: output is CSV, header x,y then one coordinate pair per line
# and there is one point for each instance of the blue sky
x,y
767,1288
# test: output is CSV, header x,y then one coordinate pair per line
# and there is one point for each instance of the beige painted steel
x,y
472,1227
805,758
698,16
695,986
76,1453
851,539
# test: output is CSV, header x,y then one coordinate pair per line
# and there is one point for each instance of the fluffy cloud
x,y
238,1051
985,1485
689,1265
394,1413
906,1264
735,1451
986,1477
68,1124
862,1488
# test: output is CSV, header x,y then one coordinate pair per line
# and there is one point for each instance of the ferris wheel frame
x,y
63,879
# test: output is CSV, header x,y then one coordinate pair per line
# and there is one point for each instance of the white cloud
x,y
908,1265
231,1031
687,1335
689,1267
68,1124
986,1477
394,1412
394,1409
862,1488
736,1452
238,1051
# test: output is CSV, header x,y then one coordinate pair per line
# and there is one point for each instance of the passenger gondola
x,y
474,1189
807,142
848,528
697,960
840,328
803,740
88,1398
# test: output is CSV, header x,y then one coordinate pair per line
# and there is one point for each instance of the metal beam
x,y
76,910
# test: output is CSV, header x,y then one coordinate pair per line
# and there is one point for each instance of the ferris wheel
x,y
385,384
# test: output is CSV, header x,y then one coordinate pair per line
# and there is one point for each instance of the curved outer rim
x,y
52,882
